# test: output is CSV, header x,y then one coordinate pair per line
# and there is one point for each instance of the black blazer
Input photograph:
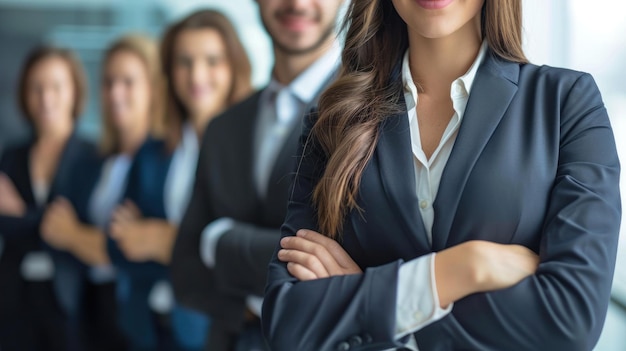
x,y
534,163
21,234
224,187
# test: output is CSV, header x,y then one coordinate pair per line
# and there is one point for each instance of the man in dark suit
x,y
231,226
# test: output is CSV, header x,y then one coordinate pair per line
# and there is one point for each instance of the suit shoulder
x,y
17,148
14,152
556,76
238,113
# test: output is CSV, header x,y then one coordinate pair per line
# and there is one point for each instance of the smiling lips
x,y
295,22
433,4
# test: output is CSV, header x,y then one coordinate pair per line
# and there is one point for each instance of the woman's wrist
x,y
458,273
75,237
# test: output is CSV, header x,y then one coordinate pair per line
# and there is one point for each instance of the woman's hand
x,y
60,225
11,203
502,266
311,255
481,266
142,239
126,212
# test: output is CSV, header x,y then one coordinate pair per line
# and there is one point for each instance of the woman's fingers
x,y
312,248
339,254
307,260
133,210
300,272
127,211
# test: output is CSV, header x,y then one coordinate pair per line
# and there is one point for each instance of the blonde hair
x,y
147,50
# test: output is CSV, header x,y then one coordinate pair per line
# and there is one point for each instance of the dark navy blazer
x,y
534,163
145,187
21,234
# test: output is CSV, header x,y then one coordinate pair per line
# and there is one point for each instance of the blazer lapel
x,y
398,176
71,151
492,91
23,180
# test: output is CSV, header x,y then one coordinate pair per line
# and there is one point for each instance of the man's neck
x,y
288,66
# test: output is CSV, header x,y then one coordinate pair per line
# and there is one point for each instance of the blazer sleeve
x,y
325,314
12,227
242,255
562,306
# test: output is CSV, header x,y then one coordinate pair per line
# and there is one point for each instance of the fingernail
x,y
301,233
284,240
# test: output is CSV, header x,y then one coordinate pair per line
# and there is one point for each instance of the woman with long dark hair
x,y
449,194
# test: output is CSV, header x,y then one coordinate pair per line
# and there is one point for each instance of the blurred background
x,y
568,33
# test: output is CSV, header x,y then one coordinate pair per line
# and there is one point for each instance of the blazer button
x,y
343,346
356,341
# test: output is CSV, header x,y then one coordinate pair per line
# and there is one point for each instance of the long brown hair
x,y
352,108
235,53
147,50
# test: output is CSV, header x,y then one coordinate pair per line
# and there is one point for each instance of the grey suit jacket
x,y
534,163
224,187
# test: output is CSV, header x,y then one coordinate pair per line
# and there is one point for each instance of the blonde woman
x,y
132,110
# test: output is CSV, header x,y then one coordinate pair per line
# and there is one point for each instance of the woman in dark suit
x,y
132,109
35,311
206,72
467,200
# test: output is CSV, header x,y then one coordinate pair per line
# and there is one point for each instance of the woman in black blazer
x,y
131,102
473,197
35,312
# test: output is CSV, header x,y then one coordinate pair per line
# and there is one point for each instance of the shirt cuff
x,y
417,303
210,236
255,304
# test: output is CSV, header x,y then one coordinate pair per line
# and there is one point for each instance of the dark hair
x,y
76,71
352,108
236,55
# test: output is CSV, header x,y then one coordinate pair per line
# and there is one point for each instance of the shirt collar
x,y
465,80
306,85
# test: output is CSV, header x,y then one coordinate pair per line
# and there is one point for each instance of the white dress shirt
x,y
176,196
106,196
280,108
181,174
417,300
